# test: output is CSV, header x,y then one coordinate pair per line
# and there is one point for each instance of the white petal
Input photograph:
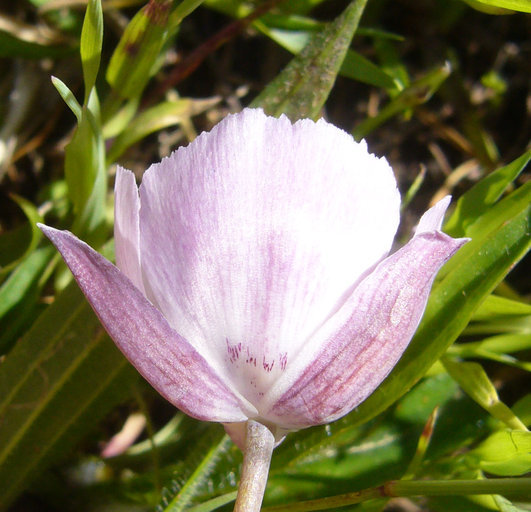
x,y
252,236
126,226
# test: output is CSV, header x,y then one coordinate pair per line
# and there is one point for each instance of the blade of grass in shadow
x,y
58,381
301,89
195,58
417,93
19,296
204,459
33,216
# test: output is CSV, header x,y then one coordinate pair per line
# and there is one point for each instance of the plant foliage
x,y
449,427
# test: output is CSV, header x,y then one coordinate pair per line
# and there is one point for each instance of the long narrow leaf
x,y
136,55
33,216
19,294
483,195
91,44
57,382
301,89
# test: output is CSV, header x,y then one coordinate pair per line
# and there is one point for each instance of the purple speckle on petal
x,y
283,360
268,366
233,351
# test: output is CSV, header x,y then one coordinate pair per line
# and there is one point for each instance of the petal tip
x,y
51,233
433,218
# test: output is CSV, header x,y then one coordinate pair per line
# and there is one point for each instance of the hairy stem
x,y
259,444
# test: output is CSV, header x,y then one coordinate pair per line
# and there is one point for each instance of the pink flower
x,y
252,277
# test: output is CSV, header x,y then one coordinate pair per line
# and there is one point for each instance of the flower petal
x,y
165,359
253,235
237,432
364,341
432,220
126,226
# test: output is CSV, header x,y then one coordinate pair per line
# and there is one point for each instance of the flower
x,y
252,277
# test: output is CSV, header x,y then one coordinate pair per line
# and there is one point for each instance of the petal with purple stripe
x,y
365,339
251,238
165,359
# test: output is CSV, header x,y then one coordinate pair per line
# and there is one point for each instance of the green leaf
x,y
55,385
156,118
472,274
86,175
357,67
91,44
12,46
135,58
505,505
354,65
301,89
182,10
80,159
118,120
509,324
498,6
475,382
200,475
483,195
522,409
495,348
392,63
68,97
504,453
21,286
496,306
419,92
214,503
85,170
33,216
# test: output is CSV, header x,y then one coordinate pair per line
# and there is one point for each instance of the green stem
x,y
401,488
259,444
458,487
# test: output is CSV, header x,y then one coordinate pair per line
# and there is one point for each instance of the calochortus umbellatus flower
x,y
253,285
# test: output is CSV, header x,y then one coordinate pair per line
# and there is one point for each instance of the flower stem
x,y
259,445
401,488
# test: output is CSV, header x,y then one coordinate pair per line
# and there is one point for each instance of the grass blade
x,y
301,89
